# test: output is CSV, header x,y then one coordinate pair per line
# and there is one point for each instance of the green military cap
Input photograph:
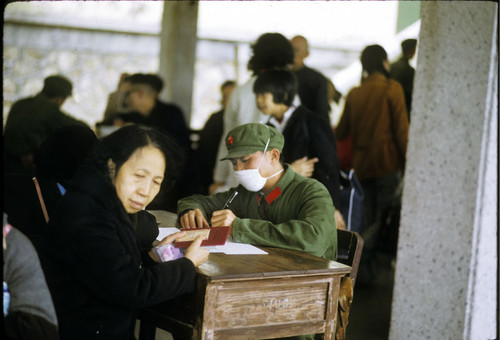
x,y
249,138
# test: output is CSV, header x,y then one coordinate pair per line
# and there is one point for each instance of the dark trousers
x,y
380,195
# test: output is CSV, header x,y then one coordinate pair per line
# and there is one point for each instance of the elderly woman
x,y
91,252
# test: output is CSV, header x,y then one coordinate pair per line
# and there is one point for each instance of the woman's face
x,y
139,179
266,104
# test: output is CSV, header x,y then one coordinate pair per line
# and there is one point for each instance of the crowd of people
x,y
76,201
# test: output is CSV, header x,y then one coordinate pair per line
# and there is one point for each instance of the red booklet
x,y
215,236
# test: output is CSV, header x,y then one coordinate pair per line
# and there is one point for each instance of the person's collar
x,y
275,192
375,75
286,116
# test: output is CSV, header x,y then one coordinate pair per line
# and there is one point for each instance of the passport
x,y
213,236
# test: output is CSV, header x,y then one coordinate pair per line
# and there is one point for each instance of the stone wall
x,y
93,60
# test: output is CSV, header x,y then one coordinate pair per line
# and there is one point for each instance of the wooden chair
x,y
349,248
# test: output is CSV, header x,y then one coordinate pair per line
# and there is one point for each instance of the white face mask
x,y
251,179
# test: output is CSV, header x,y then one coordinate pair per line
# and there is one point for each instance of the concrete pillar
x,y
446,272
178,52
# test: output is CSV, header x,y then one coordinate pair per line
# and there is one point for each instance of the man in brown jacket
x,y
375,116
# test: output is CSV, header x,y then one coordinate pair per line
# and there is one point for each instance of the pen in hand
x,y
226,205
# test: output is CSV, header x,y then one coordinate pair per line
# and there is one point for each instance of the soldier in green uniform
x,y
273,206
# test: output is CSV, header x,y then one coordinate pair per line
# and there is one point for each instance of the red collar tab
x,y
271,196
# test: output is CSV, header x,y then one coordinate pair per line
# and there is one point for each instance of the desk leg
x,y
147,331
331,314
207,324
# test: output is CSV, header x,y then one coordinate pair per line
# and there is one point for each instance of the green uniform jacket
x,y
300,215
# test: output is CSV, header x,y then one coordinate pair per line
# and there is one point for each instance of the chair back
x,y
350,247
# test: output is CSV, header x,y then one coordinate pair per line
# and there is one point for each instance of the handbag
x,y
351,200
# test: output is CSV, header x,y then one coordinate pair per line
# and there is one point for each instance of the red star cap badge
x,y
230,140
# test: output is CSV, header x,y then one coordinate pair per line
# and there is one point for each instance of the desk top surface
x,y
277,263
164,218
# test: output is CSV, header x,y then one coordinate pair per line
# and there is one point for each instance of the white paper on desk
x,y
230,248
233,248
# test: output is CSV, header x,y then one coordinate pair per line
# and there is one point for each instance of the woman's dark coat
x,y
93,267
308,134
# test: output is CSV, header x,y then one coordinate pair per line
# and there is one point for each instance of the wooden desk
x,y
284,293
164,218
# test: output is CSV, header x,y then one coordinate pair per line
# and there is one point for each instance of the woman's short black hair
x,y
372,59
281,83
271,50
121,144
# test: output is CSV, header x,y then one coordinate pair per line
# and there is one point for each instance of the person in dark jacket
x,y
29,202
143,99
210,137
404,73
307,134
31,120
90,253
312,85
145,107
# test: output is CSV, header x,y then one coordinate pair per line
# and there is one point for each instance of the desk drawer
x,y
270,302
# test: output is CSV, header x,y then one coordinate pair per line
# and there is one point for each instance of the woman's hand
x,y
170,239
193,219
195,253
304,166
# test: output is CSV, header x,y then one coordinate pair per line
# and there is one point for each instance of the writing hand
x,y
193,219
221,218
